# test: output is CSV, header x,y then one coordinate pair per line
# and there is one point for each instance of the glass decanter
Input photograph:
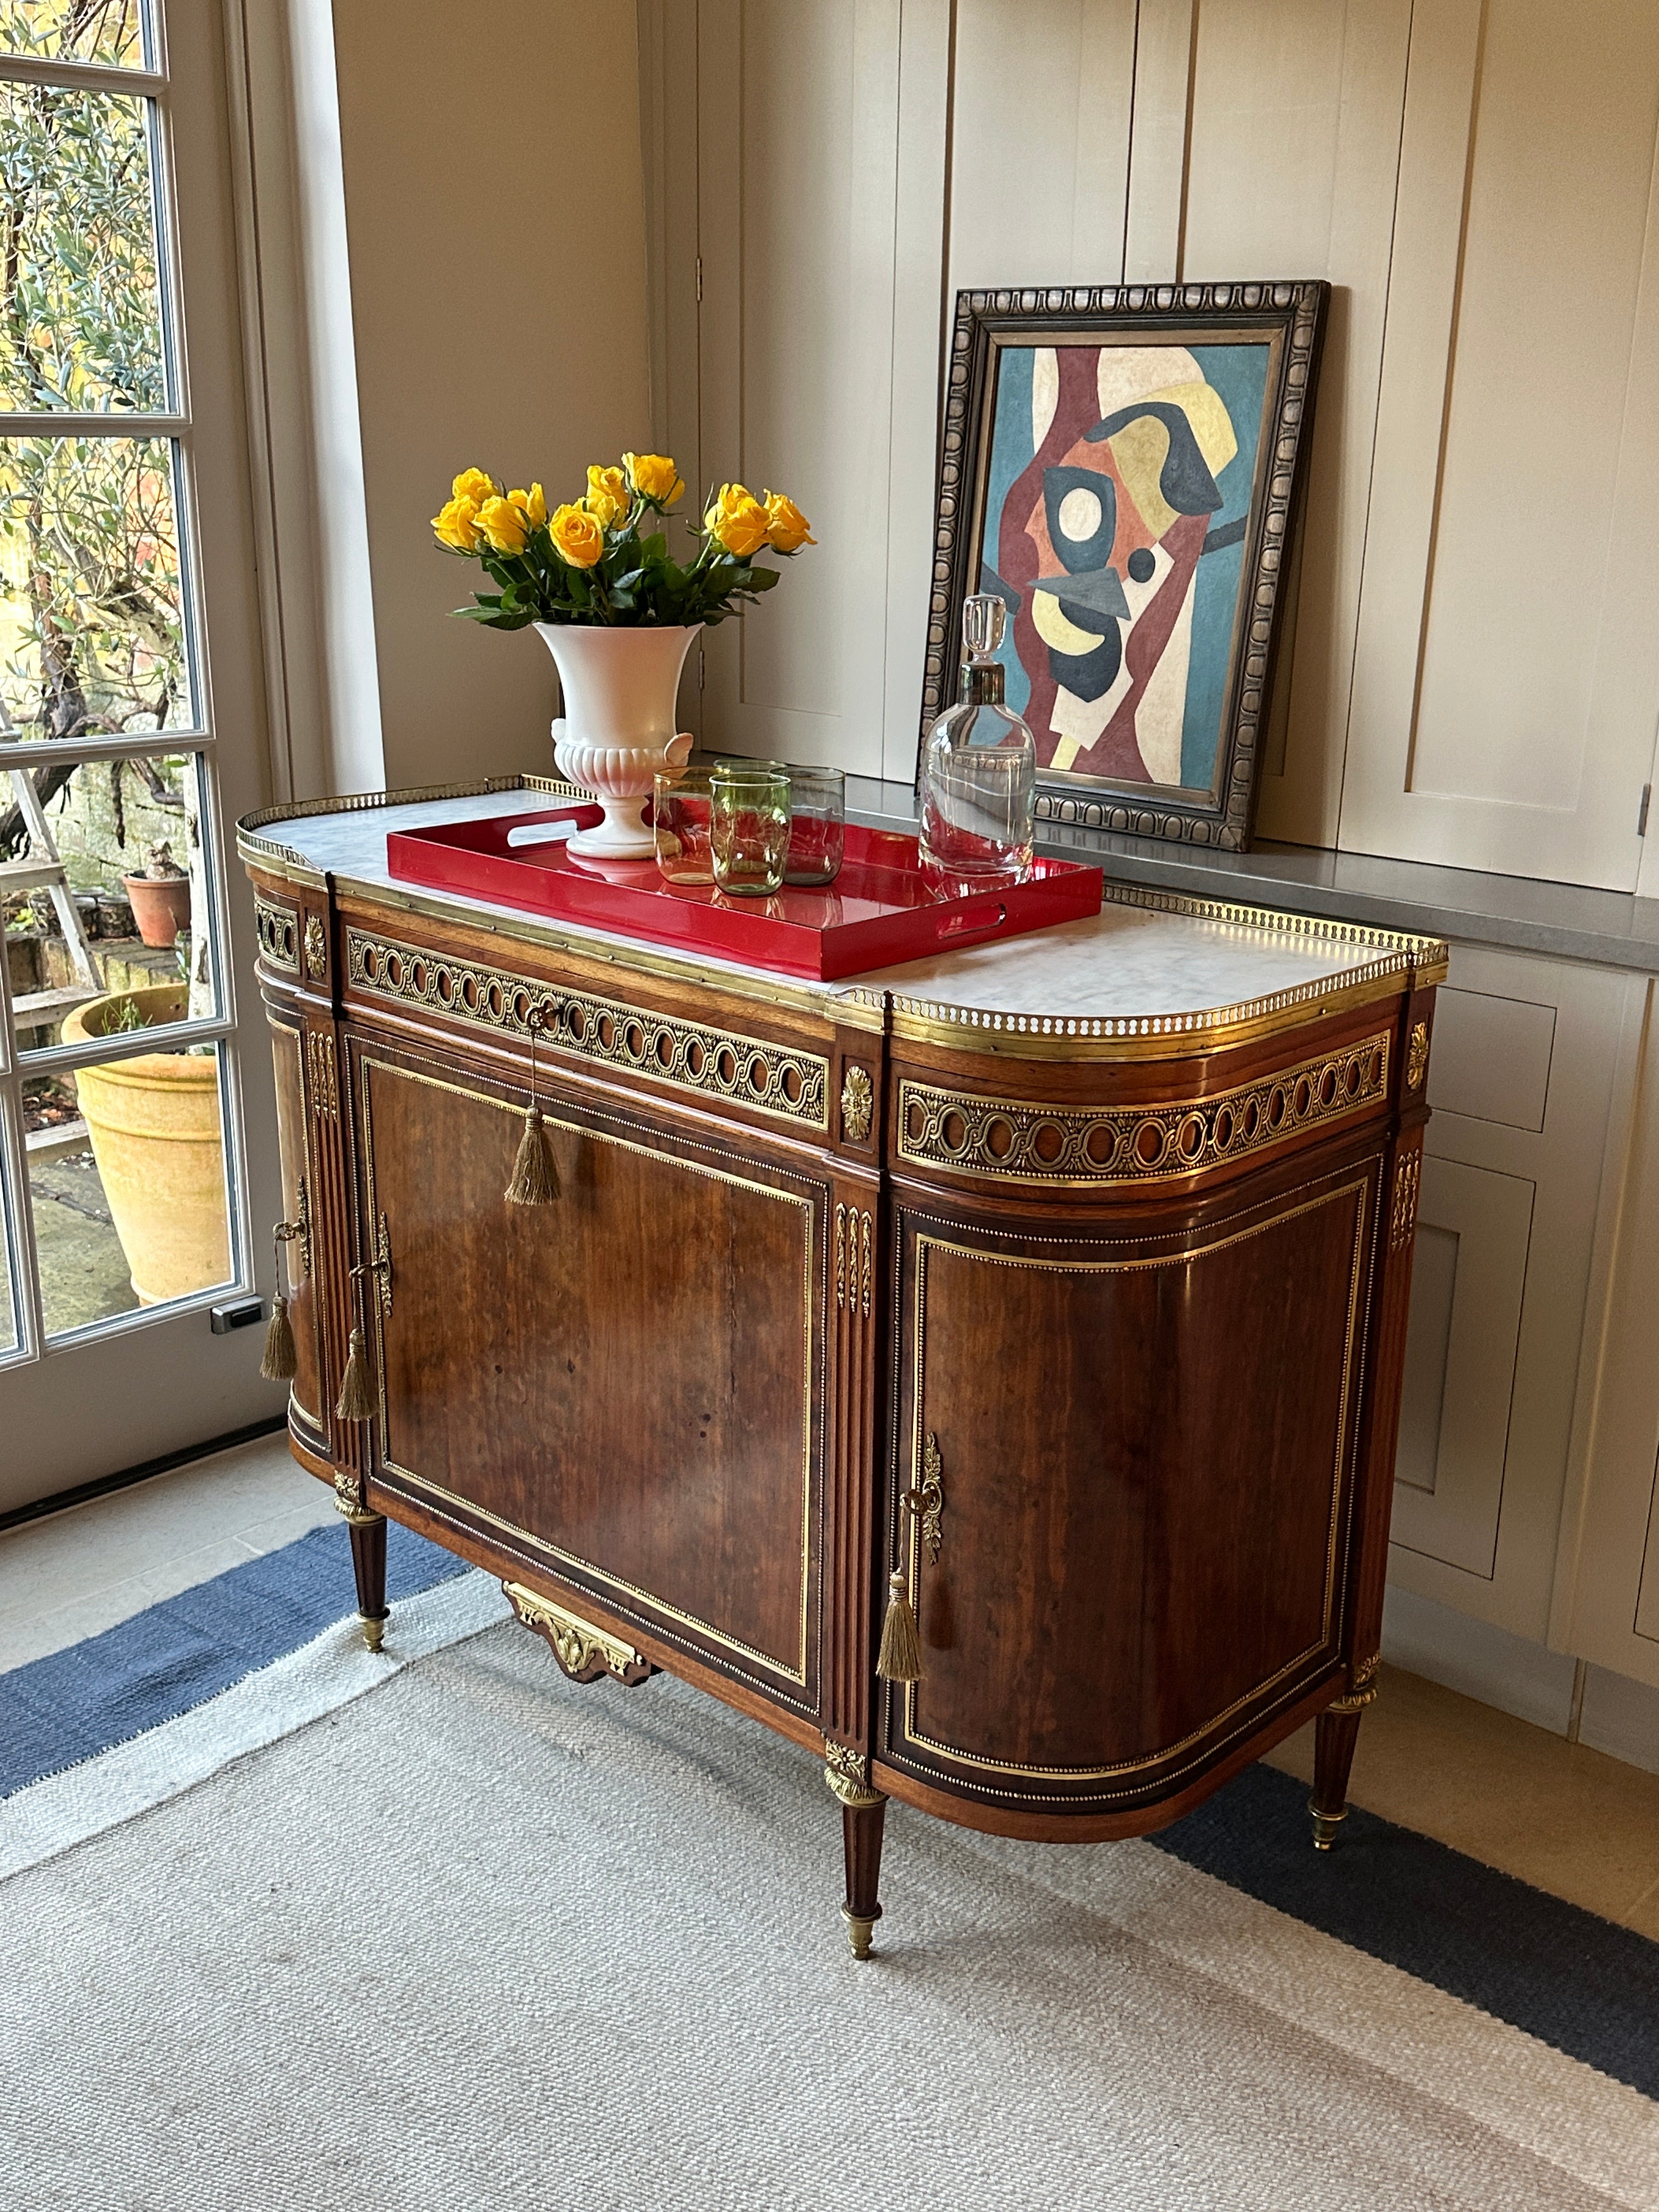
x,y
978,773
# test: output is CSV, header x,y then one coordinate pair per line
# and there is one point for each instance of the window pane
x,y
109,30
127,1184
116,929
91,634
80,304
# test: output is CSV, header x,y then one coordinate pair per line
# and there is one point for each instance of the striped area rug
x,y
290,1924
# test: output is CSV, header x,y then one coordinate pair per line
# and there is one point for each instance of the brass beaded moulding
x,y
782,1081
1027,1141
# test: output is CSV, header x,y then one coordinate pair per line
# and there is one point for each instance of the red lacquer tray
x,y
876,914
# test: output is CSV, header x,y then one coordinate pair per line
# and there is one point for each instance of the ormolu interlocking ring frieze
x,y
1029,1142
277,929
782,1081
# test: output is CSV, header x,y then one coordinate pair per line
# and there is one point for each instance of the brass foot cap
x,y
859,1928
1325,1827
373,1629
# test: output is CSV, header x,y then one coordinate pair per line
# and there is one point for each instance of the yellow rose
x,y
532,504
607,499
503,524
457,525
655,476
786,527
577,536
474,484
739,520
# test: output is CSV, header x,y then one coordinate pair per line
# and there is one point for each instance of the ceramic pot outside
x,y
161,906
154,1122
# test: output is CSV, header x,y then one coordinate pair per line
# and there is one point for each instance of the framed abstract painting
x,y
1124,466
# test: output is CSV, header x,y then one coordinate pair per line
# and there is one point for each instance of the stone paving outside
x,y
83,1270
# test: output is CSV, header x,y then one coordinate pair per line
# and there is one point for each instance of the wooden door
x,y
1129,1567
623,1388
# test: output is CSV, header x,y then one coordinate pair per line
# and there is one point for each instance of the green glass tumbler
x,y
749,829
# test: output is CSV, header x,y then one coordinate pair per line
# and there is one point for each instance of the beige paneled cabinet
x,y
1529,1116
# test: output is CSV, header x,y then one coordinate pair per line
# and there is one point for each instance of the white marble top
x,y
1131,963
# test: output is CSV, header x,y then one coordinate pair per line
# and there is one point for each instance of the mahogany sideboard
x,y
1065,1279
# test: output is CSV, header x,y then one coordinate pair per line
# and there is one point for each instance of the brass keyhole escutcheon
x,y
927,1499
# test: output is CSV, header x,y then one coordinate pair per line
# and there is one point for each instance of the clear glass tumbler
x,y
748,828
680,805
817,825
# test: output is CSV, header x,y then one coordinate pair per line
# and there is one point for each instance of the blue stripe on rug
x,y
56,1711
1580,1983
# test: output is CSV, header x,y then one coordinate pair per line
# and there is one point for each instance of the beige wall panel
x,y
1478,1509
919,311
1157,167
498,300
1294,162
796,356
1512,506
1040,152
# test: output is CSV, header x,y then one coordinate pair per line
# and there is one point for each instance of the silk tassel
x,y
357,1401
535,1179
279,1364
900,1657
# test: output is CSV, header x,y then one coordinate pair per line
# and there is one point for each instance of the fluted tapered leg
x,y
369,1563
1335,1739
861,1830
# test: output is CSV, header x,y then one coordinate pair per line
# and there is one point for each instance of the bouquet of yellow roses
x,y
600,559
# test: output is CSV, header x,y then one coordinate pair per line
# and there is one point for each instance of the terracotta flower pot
x,y
161,906
154,1122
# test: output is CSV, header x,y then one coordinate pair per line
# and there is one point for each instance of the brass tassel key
x,y
280,1364
900,1657
357,1401
535,1180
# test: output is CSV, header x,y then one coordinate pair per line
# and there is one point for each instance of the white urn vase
x,y
620,687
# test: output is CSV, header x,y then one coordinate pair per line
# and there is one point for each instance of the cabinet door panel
x,y
1521,1084
628,1376
298,1186
1461,1353
1124,1560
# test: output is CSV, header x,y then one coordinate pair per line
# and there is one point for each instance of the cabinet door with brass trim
x,y
1124,1468
621,1385
298,1246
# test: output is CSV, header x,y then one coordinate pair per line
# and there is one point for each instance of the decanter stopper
x,y
984,619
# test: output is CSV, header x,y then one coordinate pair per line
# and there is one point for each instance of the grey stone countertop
x,y
1565,921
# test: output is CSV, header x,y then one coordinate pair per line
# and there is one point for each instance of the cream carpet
x,y
480,1937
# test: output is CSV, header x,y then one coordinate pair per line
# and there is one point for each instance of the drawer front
x,y
1143,1446
624,1385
